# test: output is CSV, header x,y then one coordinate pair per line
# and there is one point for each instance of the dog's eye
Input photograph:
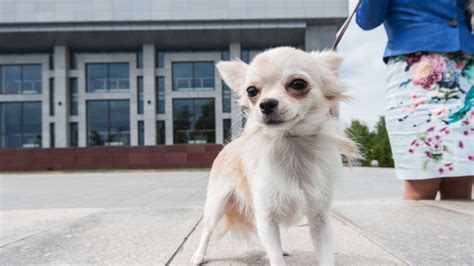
x,y
252,92
298,85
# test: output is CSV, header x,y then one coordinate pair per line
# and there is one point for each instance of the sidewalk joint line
x,y
29,236
180,247
347,221
447,209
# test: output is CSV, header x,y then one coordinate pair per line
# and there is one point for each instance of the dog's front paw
x,y
198,259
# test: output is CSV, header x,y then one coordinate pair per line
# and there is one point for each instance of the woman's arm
x,y
371,13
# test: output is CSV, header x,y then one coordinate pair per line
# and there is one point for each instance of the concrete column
x,y
234,51
319,37
61,96
45,117
149,112
82,102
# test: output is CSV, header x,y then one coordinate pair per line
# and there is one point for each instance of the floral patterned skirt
x,y
429,114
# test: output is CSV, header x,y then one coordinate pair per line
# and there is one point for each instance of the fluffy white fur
x,y
274,174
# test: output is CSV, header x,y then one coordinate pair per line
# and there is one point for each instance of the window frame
x,y
21,90
51,97
159,100
73,96
141,133
73,135
159,140
22,124
140,95
108,64
193,117
193,75
108,101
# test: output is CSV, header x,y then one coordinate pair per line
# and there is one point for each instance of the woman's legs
x,y
456,187
449,187
424,189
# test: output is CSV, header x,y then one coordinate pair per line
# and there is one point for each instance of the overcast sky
x,y
363,71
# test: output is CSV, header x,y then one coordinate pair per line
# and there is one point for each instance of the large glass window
x,y
140,95
193,76
160,132
20,124
20,79
73,134
194,121
160,95
73,90
108,77
108,123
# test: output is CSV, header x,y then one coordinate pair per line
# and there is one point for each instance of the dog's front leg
x,y
269,233
321,236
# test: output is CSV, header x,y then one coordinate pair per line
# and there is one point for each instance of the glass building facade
x,y
115,98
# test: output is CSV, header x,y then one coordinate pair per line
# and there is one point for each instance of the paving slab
x,y
117,237
102,189
413,231
351,248
20,224
143,217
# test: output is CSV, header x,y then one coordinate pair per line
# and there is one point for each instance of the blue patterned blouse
x,y
419,25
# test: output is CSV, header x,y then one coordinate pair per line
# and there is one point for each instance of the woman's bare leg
x,y
425,189
456,187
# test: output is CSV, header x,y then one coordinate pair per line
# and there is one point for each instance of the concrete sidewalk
x,y
154,218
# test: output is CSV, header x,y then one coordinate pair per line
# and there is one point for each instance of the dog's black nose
x,y
268,106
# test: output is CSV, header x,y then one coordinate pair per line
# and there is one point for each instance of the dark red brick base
x,y
155,157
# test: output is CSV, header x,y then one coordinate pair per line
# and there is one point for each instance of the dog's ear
x,y
333,89
330,59
233,73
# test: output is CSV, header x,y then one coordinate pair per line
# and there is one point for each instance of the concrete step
x,y
421,233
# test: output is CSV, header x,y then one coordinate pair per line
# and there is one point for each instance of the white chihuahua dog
x,y
284,164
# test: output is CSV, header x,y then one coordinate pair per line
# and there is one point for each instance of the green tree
x,y
360,133
380,146
374,145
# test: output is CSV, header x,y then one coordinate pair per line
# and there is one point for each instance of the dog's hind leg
x,y
321,236
213,212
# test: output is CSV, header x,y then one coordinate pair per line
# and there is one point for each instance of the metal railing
x,y
25,86
105,85
193,84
